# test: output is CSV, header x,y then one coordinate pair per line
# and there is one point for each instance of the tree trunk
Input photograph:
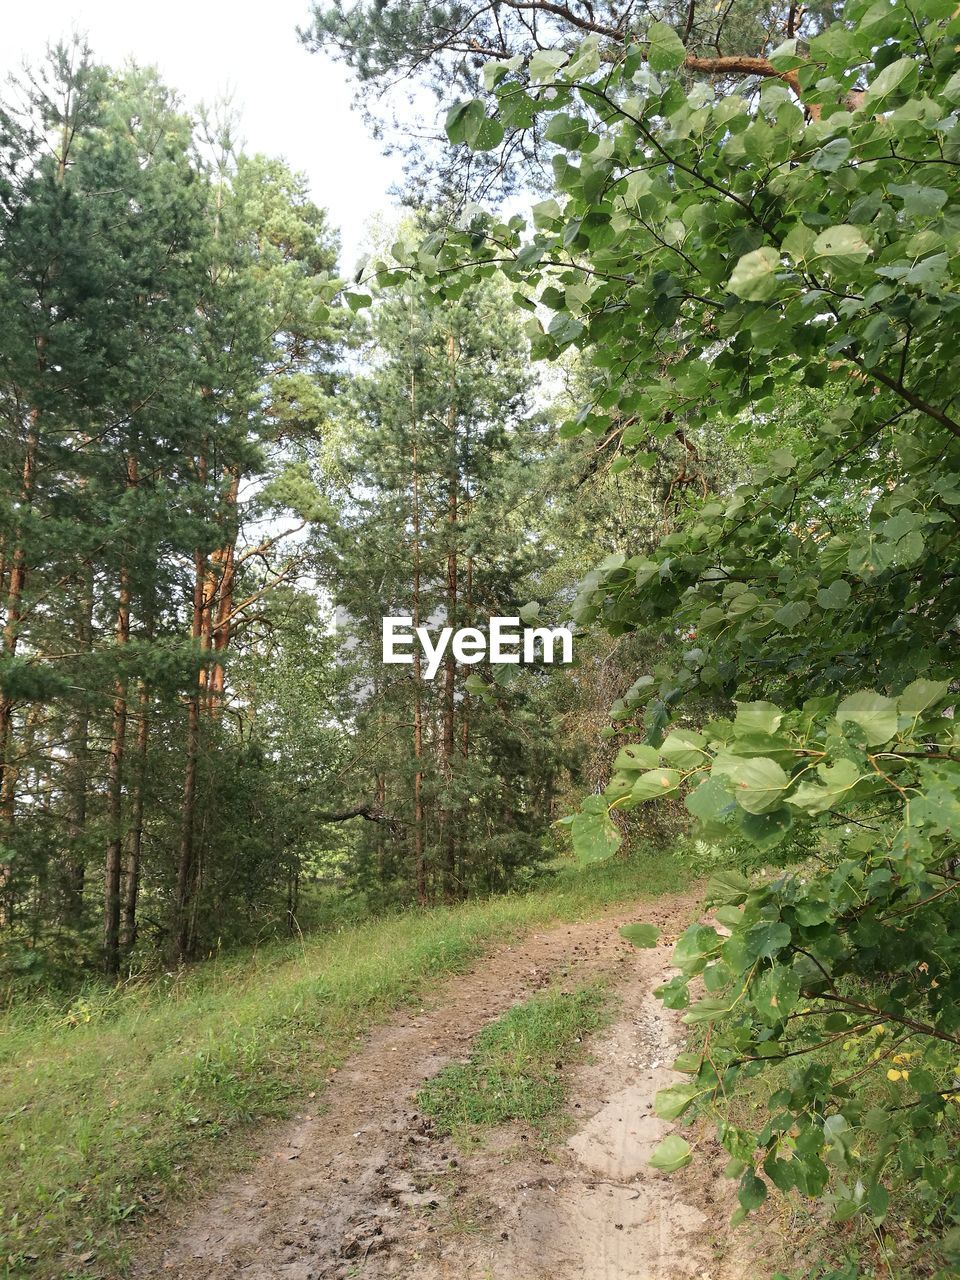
x,y
76,781
186,854
111,880
224,562
131,883
380,783
465,709
11,638
448,731
111,884
419,861
293,899
186,871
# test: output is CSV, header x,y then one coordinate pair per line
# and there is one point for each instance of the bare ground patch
x,y
366,1187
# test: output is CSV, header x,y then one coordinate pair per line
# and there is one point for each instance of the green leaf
x,y
463,120
708,1010
636,756
688,1062
928,272
672,1154
767,939
875,714
641,935
694,948
919,201
759,784
837,779
671,1103
784,56
832,156
726,887
752,1191
878,1200
566,131
545,64
487,136
760,717
729,916
658,782
835,596
565,327
595,838
798,243
754,277
775,994
896,79
675,994
921,696
842,244
587,61
868,557
711,800
666,48
792,614
684,748
494,72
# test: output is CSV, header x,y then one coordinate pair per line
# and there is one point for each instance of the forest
x,y
657,353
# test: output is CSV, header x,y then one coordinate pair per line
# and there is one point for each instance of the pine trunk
x,y
186,854
76,782
11,638
111,880
448,733
380,784
465,709
224,560
419,859
131,882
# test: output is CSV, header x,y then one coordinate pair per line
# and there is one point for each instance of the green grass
x,y
135,1093
514,1071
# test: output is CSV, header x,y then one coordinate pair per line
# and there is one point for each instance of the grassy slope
x,y
149,1090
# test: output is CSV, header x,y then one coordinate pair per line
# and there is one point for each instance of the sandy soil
x,y
366,1188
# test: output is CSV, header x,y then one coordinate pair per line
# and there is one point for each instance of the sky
x,y
292,103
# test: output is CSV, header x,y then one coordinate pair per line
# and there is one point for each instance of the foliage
x,y
441,51
428,457
164,346
862,950
717,257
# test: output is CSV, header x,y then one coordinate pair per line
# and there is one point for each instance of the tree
x,y
731,258
446,47
267,344
429,448
166,348
99,220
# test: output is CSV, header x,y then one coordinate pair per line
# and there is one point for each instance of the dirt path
x,y
365,1189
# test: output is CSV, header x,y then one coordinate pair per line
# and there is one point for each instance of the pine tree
x,y
428,446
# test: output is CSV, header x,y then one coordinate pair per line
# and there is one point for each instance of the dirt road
x,y
364,1188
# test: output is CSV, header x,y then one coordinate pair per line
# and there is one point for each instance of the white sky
x,y
293,103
